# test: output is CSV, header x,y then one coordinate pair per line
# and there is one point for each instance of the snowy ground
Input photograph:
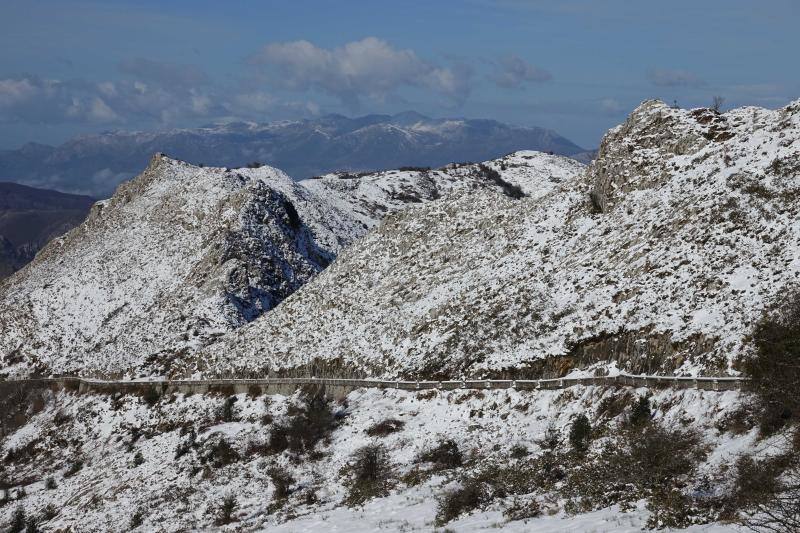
x,y
176,494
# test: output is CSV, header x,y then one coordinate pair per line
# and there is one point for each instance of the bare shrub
x,y
444,455
385,427
768,492
282,483
774,369
634,465
369,473
220,453
308,424
470,495
522,509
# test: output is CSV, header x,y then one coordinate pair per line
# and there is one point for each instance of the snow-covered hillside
x,y
183,254
658,259
114,462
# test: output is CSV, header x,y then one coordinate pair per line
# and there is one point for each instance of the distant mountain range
x,y
30,217
96,164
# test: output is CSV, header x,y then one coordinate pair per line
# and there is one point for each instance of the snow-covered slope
x,y
658,259
178,255
369,197
183,254
113,459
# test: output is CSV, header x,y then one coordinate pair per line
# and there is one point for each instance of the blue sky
x,y
576,66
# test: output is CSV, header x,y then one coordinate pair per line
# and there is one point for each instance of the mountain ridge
x,y
658,260
182,254
98,163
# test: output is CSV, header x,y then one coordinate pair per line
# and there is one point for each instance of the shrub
x,y
634,464
50,483
768,492
550,439
73,468
444,455
780,512
138,459
254,391
453,503
509,189
640,412
308,424
17,520
185,446
220,454
282,483
386,427
756,482
227,413
369,472
31,525
580,434
49,512
519,451
773,370
521,509
151,395
226,510
137,519
278,439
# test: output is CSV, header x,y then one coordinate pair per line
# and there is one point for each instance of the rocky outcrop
x,y
694,236
182,255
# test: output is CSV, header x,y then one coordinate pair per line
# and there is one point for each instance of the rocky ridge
x,y
658,259
183,254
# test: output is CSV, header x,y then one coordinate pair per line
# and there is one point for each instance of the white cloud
x,y
369,68
512,72
35,100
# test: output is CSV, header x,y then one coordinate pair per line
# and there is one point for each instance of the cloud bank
x,y
369,68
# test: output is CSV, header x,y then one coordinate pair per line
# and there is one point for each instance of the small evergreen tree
x,y
225,513
580,434
640,413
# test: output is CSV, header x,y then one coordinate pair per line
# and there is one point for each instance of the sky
x,y
575,66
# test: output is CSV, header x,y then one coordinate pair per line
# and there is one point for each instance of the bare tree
x,y
781,513
717,102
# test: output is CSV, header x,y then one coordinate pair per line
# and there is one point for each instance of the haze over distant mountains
x,y
96,164
30,218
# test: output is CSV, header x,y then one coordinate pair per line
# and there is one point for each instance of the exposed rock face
x,y
183,254
698,233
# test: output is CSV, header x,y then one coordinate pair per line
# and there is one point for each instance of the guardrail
x,y
340,387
